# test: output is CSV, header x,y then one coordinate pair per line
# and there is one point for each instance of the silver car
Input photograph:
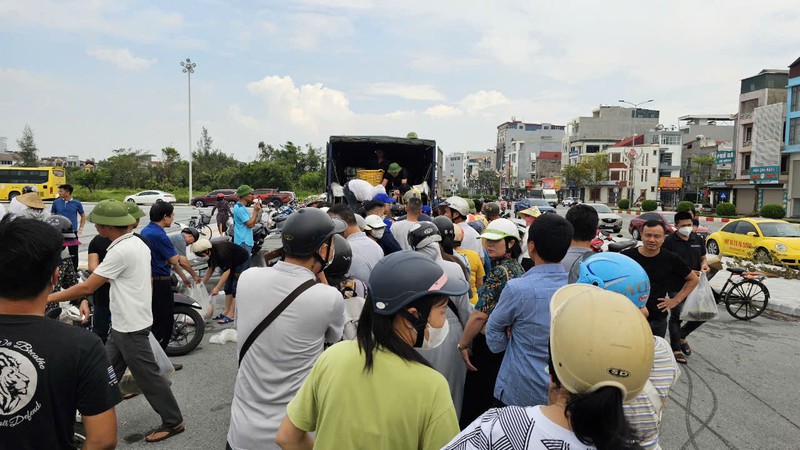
x,y
608,219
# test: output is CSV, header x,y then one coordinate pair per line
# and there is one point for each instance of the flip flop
x,y
224,320
679,358
171,431
686,349
217,317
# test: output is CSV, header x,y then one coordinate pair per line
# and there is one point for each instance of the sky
x,y
95,75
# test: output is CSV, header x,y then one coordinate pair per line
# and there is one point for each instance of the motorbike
x,y
260,233
606,241
189,326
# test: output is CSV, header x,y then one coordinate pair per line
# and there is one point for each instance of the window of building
x,y
745,163
615,175
666,159
592,148
794,95
670,140
748,135
794,131
784,164
652,188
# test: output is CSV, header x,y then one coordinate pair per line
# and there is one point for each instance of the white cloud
x,y
407,91
482,100
309,30
443,112
121,58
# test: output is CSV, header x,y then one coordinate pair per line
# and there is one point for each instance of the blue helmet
x,y
617,273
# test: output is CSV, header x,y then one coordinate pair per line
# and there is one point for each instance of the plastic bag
x,y
199,294
128,384
228,335
700,305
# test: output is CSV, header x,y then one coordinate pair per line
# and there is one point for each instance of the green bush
x,y
685,206
624,203
726,209
649,205
773,211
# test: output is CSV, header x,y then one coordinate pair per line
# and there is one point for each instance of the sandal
x,y
171,431
679,358
218,317
129,395
686,349
224,320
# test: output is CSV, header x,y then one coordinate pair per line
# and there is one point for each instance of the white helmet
x,y
362,224
500,229
374,221
458,204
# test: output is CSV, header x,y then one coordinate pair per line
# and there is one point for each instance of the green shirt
x,y
398,405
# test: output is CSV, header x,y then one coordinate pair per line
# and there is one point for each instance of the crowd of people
x,y
456,328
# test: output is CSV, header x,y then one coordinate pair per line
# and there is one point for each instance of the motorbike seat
x,y
737,270
617,247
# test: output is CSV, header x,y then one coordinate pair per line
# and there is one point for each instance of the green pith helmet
x,y
471,204
112,213
134,210
243,190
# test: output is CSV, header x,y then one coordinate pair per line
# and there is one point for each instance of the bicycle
x,y
745,298
201,224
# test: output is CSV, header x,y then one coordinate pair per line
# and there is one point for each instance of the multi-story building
x,y
759,137
459,168
454,168
791,151
606,126
548,165
518,145
705,182
714,127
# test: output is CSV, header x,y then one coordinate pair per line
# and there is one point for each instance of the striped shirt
x,y
641,413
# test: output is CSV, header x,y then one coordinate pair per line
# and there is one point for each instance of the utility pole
x,y
188,69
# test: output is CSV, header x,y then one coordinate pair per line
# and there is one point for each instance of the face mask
x,y
436,336
377,233
685,231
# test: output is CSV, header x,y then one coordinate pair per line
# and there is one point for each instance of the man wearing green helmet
x,y
126,268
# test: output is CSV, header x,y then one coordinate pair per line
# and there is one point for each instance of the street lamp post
x,y
633,137
188,69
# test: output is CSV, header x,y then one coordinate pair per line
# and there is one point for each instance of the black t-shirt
x,y
667,273
691,250
99,245
48,370
382,165
227,255
395,181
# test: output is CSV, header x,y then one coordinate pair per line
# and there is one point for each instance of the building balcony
x,y
668,167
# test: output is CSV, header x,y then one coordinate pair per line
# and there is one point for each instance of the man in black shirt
x,y
691,248
395,180
48,370
101,316
671,280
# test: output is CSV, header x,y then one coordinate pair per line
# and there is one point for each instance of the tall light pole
x,y
188,69
633,137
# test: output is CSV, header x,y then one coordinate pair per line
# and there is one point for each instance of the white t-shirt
x,y
127,266
366,254
361,189
510,426
471,239
400,232
281,357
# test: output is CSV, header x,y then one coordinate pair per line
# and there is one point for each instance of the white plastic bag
x,y
700,305
228,335
128,384
199,294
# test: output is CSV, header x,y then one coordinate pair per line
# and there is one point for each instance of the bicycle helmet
x,y
341,259
457,204
63,225
617,273
402,277
597,339
500,229
189,230
445,226
423,234
306,230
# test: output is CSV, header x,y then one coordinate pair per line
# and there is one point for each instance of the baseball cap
x,y
201,246
599,338
412,193
383,198
394,168
243,190
112,213
373,222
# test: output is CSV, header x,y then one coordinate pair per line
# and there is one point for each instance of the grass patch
x,y
83,194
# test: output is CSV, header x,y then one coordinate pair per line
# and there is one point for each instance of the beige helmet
x,y
458,204
599,338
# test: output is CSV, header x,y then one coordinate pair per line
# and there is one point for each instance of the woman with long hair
x,y
378,392
501,240
601,354
223,210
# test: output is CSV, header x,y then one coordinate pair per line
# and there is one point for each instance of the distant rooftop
x,y
721,117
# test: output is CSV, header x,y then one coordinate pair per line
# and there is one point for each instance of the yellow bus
x,y
45,179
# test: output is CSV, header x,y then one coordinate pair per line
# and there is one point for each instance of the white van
x,y
551,196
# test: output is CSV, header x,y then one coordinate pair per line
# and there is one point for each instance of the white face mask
x,y
436,336
685,230
377,233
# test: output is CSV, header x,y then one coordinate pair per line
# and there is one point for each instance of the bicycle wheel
x,y
747,299
205,231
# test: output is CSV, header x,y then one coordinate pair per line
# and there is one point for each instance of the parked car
x,y
706,208
608,219
273,196
150,197
210,199
763,240
635,227
570,201
542,204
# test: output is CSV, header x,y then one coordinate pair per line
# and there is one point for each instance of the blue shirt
x,y
241,233
161,249
71,210
525,307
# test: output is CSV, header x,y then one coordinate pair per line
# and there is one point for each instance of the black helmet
x,y
63,225
341,259
307,229
402,277
192,231
445,226
422,234
27,189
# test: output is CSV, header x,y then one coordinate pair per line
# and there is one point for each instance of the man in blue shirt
x,y
523,313
243,223
70,208
163,255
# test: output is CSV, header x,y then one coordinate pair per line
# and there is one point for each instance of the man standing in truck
x,y
395,180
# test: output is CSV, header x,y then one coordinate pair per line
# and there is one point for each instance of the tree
x,y
90,179
596,167
127,168
575,175
701,169
486,183
27,148
205,144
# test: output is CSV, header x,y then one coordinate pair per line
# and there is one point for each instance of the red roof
x,y
549,155
628,141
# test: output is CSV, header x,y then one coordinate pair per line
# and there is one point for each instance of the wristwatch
x,y
462,347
